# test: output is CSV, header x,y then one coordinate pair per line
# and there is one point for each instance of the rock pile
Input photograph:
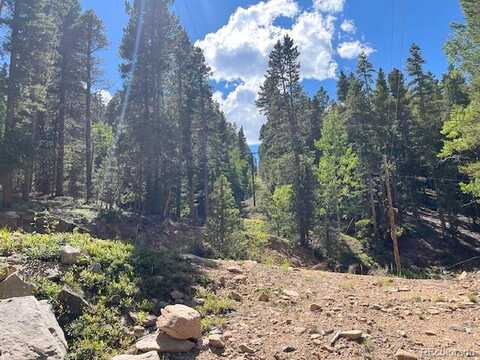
x,y
178,330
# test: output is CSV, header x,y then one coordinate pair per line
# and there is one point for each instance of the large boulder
x,y
29,331
163,343
152,355
70,255
14,286
180,322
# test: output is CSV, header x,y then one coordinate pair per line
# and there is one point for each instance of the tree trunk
x,y
205,157
88,120
28,181
373,208
60,173
391,217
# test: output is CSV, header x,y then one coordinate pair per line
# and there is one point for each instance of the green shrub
x,y
129,278
8,245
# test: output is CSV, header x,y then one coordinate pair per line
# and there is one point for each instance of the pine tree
x,y
68,81
93,39
342,87
29,43
279,99
224,218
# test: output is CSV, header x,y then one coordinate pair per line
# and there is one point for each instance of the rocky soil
x,y
307,314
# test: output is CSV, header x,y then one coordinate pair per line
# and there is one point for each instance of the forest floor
x,y
295,313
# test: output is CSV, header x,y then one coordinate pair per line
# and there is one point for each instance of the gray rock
x,y
200,261
29,331
162,342
180,322
96,268
73,302
54,275
216,341
235,296
13,286
235,270
70,255
152,355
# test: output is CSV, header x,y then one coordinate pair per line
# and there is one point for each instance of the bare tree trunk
x,y
373,208
391,217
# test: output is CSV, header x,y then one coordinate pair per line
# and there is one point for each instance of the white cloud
x,y
105,95
239,107
348,26
329,6
351,49
238,52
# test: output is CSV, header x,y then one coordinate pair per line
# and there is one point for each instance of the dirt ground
x,y
306,309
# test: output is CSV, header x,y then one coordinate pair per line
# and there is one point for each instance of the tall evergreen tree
x,y
93,39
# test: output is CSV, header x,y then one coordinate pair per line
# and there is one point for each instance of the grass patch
x,y
384,282
213,309
347,285
285,266
258,238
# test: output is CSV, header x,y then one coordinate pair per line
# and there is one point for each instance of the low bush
x,y
128,280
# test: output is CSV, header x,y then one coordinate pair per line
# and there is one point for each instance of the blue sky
x,y
330,34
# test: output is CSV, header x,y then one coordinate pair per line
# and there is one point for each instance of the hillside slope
x,y
303,310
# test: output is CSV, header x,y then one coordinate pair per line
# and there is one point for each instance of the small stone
x,y
430,333
235,296
263,297
351,334
300,330
402,333
315,307
290,293
328,348
163,343
235,270
54,275
138,331
246,349
96,268
462,276
405,355
180,322
216,341
289,349
70,255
